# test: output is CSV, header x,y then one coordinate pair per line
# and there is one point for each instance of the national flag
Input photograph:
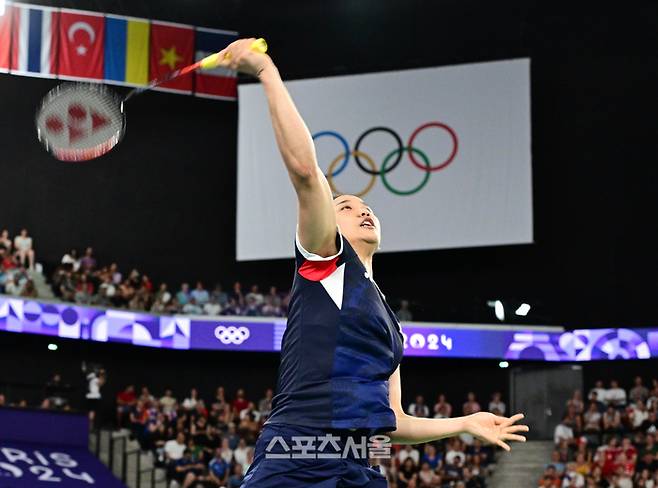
x,y
81,44
172,48
5,37
34,40
219,82
127,50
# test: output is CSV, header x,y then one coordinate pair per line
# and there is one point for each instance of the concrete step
x,y
43,288
121,442
523,466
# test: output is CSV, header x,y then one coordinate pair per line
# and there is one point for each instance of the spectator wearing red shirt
x,y
629,450
240,402
126,399
8,261
608,459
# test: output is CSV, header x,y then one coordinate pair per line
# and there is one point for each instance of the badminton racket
x,y
82,121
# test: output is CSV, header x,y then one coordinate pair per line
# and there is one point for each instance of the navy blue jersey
x,y
341,345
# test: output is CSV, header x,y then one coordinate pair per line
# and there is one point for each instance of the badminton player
x,y
339,378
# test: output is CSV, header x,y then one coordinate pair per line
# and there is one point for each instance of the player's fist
x,y
245,56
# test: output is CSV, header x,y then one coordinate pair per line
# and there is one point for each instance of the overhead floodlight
x,y
523,310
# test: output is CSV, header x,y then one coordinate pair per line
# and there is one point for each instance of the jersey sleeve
x,y
302,255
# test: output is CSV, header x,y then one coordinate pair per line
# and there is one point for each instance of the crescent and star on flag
x,y
81,49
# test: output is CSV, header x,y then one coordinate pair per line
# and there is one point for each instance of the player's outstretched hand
x,y
240,56
495,429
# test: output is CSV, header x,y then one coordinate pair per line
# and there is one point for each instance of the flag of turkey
x,y
81,44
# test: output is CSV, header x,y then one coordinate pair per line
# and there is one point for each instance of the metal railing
x,y
125,462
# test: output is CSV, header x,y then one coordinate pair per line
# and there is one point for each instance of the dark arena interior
x,y
186,259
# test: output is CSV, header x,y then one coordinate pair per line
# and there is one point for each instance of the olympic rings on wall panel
x,y
392,159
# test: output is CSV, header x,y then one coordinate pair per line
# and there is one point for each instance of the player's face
x,y
357,221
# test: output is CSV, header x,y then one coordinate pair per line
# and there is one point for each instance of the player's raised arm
x,y
316,219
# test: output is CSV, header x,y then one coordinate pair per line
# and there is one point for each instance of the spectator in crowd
x,y
563,431
575,403
471,405
592,419
219,296
190,403
496,405
183,296
95,381
84,290
5,241
3,400
639,392
240,402
126,400
187,469
218,469
427,478
418,408
106,292
611,420
168,403
408,451
88,261
236,295
11,287
265,404
595,399
432,457
600,390
192,308
453,470
174,448
200,294
615,395
651,424
24,249
442,409
255,296
637,414
556,463
70,261
212,306
29,290
237,477
550,478
57,392
407,474
404,314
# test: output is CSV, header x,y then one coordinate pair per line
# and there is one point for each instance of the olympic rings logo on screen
x,y
231,334
391,160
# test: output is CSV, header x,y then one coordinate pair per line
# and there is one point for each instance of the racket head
x,y
78,122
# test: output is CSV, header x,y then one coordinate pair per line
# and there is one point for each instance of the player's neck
x,y
365,252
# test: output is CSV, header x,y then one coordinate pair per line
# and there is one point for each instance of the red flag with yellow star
x,y
172,47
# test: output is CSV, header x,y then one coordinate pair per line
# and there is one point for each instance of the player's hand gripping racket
x,y
82,121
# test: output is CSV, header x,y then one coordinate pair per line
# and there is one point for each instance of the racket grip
x,y
212,61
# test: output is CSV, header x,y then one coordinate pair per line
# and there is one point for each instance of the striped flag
x,y
5,37
127,50
218,83
34,40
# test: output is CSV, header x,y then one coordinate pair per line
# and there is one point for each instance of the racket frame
x,y
76,155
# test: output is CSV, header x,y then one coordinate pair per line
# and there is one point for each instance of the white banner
x,y
466,181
